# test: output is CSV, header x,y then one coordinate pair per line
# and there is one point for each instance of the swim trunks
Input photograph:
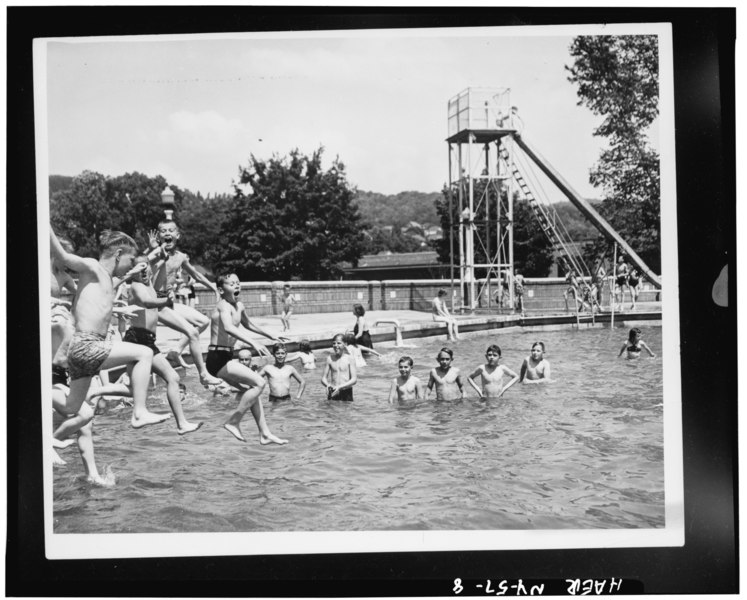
x,y
279,398
143,337
365,339
86,354
217,358
621,280
633,281
344,395
60,375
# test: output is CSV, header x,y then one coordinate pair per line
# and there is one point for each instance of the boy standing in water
x,y
406,387
340,374
279,376
143,331
228,314
167,263
89,351
492,374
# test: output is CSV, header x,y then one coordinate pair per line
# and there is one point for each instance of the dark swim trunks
x,y
344,395
217,358
633,281
143,337
60,375
279,398
365,339
160,294
622,280
86,353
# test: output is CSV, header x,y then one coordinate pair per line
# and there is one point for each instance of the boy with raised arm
x,y
279,376
228,314
167,263
89,351
142,331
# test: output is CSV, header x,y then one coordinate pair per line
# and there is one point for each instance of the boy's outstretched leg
x,y
85,447
265,435
177,322
163,369
245,401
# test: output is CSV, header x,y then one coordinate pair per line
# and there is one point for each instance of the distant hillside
x,y
58,183
399,209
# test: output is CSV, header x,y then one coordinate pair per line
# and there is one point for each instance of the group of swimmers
x,y
84,345
588,296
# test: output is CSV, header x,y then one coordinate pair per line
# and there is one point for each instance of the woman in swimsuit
x,y
634,344
634,284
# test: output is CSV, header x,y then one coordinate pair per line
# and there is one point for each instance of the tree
x,y
618,77
295,220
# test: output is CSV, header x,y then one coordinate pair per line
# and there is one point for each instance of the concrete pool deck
x,y
319,328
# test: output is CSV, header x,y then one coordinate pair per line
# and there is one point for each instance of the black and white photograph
x,y
363,290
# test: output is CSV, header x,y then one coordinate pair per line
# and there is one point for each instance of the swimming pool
x,y
584,451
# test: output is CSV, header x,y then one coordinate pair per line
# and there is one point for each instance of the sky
x,y
194,109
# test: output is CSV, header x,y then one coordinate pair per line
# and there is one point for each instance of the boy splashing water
x,y
224,331
89,351
167,263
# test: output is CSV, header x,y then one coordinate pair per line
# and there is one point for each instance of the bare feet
x,y
207,379
188,428
56,460
148,418
235,431
269,438
108,480
62,444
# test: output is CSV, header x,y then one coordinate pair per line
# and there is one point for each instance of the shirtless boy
x,y
535,368
441,315
143,331
406,387
492,374
288,301
167,263
279,376
447,379
340,374
89,351
228,314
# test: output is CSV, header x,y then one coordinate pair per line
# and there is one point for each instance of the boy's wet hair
x,y
406,359
540,344
636,331
494,348
163,222
277,346
304,346
339,336
245,350
111,241
221,279
448,351
358,310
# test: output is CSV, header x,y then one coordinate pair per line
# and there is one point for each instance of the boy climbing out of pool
x,y
634,345
279,376
446,379
167,263
142,331
535,368
340,374
491,375
89,351
228,314
406,387
288,301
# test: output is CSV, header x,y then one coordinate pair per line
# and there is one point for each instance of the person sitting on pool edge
x,y
279,376
228,314
535,368
441,315
340,374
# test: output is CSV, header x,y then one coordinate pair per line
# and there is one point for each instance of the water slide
x,y
587,209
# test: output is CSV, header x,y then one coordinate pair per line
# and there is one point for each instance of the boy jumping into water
x,y
279,376
143,331
228,314
167,263
89,352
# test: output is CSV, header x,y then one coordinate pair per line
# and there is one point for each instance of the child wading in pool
x,y
447,379
491,374
535,368
89,351
167,263
224,331
340,374
406,387
279,376
634,344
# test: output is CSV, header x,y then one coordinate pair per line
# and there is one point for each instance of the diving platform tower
x,y
480,129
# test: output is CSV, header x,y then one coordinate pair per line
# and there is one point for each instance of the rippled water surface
x,y
584,451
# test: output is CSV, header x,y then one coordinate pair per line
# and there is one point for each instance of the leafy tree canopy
x,y
289,218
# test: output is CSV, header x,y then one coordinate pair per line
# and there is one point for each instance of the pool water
x,y
583,451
